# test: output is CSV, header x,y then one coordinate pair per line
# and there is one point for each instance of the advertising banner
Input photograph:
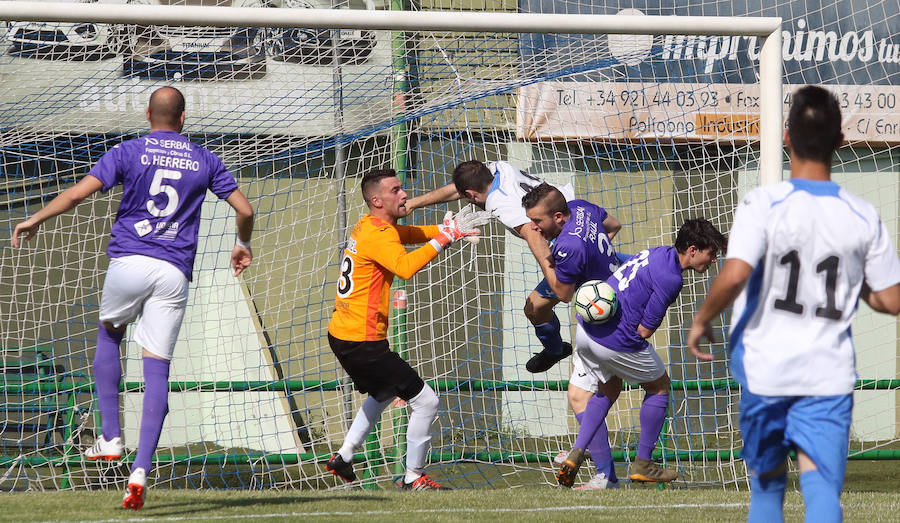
x,y
701,87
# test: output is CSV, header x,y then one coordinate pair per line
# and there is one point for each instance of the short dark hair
x,y
370,181
472,175
702,234
814,124
166,106
550,195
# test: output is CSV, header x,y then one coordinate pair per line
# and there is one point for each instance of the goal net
x,y
656,126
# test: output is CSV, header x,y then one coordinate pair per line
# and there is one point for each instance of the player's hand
x,y
462,225
409,207
240,258
471,217
698,331
399,402
27,228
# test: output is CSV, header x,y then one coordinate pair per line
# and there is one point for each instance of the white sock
x,y
418,432
363,423
412,475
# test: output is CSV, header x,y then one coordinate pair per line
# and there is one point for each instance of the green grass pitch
x,y
520,505
872,493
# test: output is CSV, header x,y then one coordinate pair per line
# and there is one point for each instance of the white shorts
x,y
581,377
603,364
149,288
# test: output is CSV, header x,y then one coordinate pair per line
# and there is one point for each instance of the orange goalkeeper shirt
x,y
374,254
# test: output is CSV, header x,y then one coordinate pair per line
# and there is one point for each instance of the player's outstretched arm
x,y
66,201
724,289
386,248
444,194
241,255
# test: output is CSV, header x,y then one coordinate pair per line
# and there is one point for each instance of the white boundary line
x,y
356,513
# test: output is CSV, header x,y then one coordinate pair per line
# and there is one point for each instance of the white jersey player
x,y
800,255
803,293
504,195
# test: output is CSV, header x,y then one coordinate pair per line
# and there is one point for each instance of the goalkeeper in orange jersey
x,y
357,332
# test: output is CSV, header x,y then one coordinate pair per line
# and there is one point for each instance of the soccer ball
x,y
595,302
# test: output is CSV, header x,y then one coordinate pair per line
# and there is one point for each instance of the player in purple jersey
x,y
581,251
164,178
646,285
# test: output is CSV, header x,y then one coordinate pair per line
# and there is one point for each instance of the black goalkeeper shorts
x,y
377,370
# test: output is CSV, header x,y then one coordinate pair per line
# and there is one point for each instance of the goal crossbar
x,y
388,20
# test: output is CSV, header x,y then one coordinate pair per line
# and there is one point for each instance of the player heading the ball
x,y
498,187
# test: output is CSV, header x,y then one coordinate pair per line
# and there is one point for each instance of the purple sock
x,y
156,406
592,418
601,453
599,446
653,414
107,377
549,335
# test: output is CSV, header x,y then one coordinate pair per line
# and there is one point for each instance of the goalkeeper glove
x,y
463,225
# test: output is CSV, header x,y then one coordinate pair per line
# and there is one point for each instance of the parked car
x,y
194,53
76,42
320,46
